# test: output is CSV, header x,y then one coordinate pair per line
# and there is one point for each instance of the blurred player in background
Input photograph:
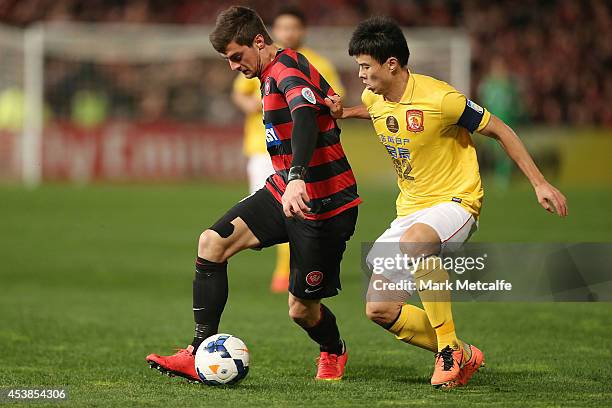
x,y
310,201
425,125
289,31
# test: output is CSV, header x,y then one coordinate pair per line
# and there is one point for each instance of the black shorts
x,y
316,247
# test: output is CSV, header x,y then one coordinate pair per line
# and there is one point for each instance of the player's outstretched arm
x,y
548,196
334,103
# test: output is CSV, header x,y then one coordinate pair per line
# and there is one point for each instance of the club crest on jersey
x,y
415,119
271,136
392,124
309,95
314,278
267,87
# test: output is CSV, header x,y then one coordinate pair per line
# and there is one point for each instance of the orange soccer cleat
x,y
447,367
471,366
181,364
331,366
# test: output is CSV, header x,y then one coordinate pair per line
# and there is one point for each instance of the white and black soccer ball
x,y
222,359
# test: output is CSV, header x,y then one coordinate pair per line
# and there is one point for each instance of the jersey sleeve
x,y
458,110
298,90
368,98
327,70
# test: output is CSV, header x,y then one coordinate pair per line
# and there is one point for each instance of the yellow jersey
x,y
254,132
427,136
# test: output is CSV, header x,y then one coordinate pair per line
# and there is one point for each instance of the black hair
x,y
239,24
381,38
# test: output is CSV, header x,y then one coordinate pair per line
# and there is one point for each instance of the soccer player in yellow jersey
x,y
288,30
425,125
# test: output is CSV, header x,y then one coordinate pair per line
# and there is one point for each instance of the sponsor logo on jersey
x,y
414,119
308,290
314,278
271,136
309,95
267,87
475,106
392,124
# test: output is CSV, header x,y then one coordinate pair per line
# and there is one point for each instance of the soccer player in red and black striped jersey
x,y
311,200
295,116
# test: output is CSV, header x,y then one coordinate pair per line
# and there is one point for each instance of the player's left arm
x,y
304,104
548,196
303,143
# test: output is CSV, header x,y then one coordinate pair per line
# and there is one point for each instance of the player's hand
x,y
334,103
295,198
551,199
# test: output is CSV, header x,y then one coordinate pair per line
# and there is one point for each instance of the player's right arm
x,y
244,95
334,103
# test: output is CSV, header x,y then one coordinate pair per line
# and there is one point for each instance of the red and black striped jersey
x,y
290,82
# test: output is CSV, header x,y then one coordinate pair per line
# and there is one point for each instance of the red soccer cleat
x,y
331,366
182,364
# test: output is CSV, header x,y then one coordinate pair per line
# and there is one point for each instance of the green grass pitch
x,y
94,278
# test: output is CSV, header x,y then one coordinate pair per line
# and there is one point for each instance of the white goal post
x,y
443,53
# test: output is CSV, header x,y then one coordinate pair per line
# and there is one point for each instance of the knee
x,y
303,315
416,246
212,247
382,313
419,240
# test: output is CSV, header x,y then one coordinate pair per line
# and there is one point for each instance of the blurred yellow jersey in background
x,y
427,136
254,140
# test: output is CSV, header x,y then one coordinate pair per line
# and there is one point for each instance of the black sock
x,y
209,297
326,333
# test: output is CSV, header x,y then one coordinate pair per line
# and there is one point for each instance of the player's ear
x,y
259,42
393,64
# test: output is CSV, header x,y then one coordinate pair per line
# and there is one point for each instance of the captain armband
x,y
472,116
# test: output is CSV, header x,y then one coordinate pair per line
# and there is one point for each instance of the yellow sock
x,y
430,278
467,352
412,326
446,336
282,260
